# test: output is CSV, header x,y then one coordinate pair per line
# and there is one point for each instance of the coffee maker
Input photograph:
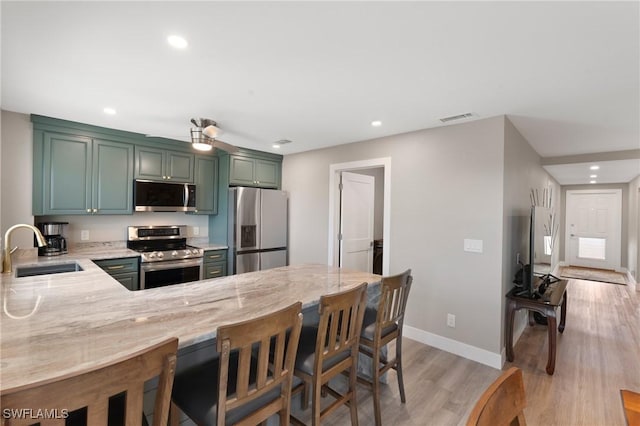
x,y
56,243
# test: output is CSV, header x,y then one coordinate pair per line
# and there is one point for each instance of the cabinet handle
x,y
88,210
215,256
164,177
95,210
217,271
168,177
113,268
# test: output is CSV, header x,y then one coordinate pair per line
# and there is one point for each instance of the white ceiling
x,y
317,73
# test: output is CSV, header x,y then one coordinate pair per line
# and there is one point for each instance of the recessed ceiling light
x,y
594,167
177,41
376,123
281,142
592,181
110,111
593,176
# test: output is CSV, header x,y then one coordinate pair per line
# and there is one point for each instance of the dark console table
x,y
556,295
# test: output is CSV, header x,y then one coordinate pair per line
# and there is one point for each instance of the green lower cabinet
x,y
214,264
125,270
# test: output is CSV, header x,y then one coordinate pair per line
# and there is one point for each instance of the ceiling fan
x,y
204,134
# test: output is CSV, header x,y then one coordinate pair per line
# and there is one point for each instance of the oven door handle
x,y
172,264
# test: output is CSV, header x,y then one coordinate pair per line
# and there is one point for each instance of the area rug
x,y
601,275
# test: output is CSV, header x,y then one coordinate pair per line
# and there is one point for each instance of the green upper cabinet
x,y
253,171
81,175
112,181
268,173
162,164
206,180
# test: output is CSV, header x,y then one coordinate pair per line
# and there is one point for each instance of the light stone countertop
x,y
55,325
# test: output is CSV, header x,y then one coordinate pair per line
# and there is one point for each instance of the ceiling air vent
x,y
456,117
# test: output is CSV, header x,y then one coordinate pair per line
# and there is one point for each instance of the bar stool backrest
x,y
273,340
92,388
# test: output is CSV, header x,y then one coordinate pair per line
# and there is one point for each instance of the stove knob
x,y
152,255
174,253
160,255
187,252
194,251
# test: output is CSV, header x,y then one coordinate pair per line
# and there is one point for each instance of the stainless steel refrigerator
x,y
257,235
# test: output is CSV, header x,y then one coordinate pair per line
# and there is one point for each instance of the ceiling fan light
x,y
202,146
200,141
211,131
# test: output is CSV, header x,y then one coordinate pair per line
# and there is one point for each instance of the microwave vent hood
x,y
152,196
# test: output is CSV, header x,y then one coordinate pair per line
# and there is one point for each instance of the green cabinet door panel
x,y
85,176
149,163
129,280
241,171
179,166
160,164
67,175
206,181
124,270
267,173
247,171
112,177
214,264
214,270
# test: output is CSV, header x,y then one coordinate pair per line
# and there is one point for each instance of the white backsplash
x,y
114,227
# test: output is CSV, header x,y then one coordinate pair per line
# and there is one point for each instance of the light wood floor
x,y
598,354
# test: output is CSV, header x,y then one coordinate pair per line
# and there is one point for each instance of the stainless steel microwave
x,y
150,196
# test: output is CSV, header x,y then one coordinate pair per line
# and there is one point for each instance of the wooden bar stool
x,y
503,402
382,326
91,390
329,349
252,378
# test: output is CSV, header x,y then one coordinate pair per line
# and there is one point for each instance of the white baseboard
x,y
464,350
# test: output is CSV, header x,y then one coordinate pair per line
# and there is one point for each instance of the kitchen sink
x,y
58,268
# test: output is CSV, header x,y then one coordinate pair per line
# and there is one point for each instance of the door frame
x,y
615,191
334,205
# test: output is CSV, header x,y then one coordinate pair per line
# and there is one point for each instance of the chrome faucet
x,y
6,258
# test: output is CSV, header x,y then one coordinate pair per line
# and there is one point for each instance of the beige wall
x,y
633,242
522,172
446,185
17,167
16,177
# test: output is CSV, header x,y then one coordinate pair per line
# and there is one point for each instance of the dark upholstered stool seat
x,y
306,356
369,324
195,391
251,380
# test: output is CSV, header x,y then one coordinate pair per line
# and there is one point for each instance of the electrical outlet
x,y
451,320
84,235
196,230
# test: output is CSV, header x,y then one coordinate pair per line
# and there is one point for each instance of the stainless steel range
x,y
165,258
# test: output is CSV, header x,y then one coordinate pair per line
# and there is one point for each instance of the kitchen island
x,y
56,325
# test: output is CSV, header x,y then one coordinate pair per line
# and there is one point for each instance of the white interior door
x,y
356,221
594,228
